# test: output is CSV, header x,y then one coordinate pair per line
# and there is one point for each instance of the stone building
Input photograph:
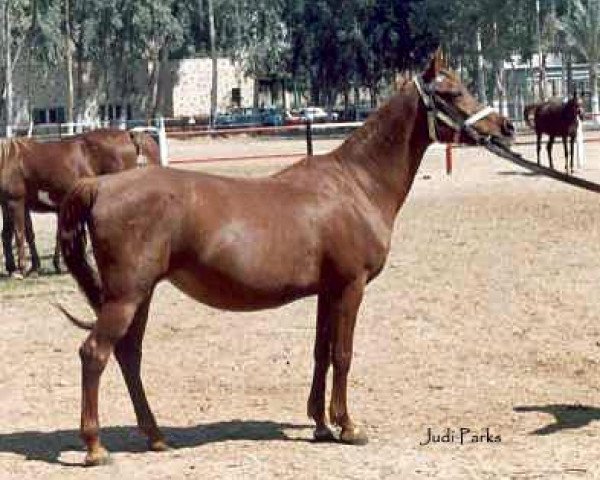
x,y
184,91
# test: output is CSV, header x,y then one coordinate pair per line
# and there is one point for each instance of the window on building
x,y
40,116
236,96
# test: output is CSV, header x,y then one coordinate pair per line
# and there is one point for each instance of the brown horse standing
x,y
322,226
36,176
555,119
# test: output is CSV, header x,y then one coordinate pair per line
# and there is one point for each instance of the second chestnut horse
x,y
36,176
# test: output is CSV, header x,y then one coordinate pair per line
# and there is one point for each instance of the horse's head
x,y
453,114
575,106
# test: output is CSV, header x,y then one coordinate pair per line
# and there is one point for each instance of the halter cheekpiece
x,y
439,109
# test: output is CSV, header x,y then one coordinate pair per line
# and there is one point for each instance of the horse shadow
x,y
48,446
565,416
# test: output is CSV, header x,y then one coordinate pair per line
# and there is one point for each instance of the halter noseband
x,y
439,109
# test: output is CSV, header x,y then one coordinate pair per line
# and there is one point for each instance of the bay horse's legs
x,y
30,238
128,352
549,149
8,229
566,148
56,256
343,320
322,356
113,322
539,145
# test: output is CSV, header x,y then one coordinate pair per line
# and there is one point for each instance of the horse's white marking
x,y
44,198
580,145
142,160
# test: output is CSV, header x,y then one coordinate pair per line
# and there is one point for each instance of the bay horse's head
x,y
453,114
574,107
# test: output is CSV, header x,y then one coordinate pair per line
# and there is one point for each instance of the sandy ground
x,y
485,317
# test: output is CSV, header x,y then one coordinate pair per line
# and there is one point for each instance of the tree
x,y
582,28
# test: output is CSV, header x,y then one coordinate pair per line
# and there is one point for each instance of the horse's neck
x,y
384,155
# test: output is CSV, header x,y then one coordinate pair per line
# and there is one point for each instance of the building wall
x,y
184,89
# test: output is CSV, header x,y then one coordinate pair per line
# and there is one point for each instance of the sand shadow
x,y
520,174
565,416
48,446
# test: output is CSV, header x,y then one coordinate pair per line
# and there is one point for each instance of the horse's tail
x,y
528,114
145,145
73,218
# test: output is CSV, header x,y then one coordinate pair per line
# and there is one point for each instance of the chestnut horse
x,y
555,119
36,176
320,227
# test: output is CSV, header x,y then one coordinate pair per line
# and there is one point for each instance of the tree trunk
x,y
570,85
215,73
8,85
480,70
543,77
69,65
594,89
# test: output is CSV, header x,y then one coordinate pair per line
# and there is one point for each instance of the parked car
x,y
272,117
242,117
317,114
292,118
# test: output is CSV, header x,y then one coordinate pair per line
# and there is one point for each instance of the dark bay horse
x,y
320,227
555,119
36,176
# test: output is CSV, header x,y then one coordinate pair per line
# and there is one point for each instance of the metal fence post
x,y
162,143
309,142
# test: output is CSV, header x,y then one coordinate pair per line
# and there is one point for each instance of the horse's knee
x,y
93,355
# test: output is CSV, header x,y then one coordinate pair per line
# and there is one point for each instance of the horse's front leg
x,y
566,148
345,309
549,149
16,211
538,145
322,358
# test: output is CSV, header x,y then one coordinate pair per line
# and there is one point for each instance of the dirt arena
x,y
487,316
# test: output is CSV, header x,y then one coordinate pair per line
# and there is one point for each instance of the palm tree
x,y
582,28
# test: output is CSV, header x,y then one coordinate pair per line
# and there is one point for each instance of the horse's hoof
x,y
354,436
33,273
17,275
97,458
323,434
158,445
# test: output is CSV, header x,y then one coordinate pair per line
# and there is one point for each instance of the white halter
x,y
433,113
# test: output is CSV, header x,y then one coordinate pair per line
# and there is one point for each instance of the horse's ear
x,y
435,66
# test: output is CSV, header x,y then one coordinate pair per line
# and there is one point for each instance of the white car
x,y
317,114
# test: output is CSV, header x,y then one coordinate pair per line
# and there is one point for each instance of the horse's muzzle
x,y
508,129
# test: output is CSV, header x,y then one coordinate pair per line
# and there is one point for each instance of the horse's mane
x,y
10,150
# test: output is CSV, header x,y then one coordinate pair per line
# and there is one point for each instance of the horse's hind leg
x,y
343,321
16,211
549,149
30,238
8,230
538,141
128,352
112,324
322,356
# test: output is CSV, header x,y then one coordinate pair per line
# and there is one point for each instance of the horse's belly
x,y
228,294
